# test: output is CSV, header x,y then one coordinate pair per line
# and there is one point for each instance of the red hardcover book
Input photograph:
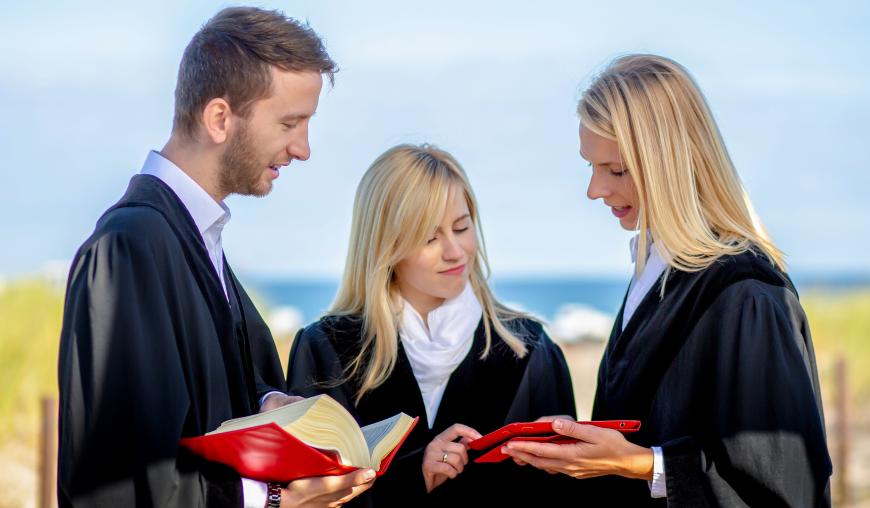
x,y
490,444
312,437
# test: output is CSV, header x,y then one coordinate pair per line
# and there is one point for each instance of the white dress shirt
x,y
210,218
638,289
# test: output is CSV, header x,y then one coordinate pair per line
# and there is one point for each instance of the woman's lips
x,y
620,211
454,271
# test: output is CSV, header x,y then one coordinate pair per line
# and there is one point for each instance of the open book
x,y
312,437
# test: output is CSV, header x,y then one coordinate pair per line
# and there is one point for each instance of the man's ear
x,y
216,119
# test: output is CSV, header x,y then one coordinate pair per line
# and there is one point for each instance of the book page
x,y
382,437
375,432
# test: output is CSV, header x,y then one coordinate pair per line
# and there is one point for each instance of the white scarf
x,y
434,353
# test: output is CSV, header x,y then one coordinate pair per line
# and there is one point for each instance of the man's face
x,y
275,133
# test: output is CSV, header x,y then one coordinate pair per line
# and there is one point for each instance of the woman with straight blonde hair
x,y
711,350
415,329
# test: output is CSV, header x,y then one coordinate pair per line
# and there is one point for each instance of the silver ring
x,y
444,457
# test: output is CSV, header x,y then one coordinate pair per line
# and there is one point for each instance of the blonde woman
x,y
711,349
415,328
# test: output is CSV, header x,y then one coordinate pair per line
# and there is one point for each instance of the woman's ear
x,y
216,119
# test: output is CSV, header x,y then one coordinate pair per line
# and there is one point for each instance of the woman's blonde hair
x,y
691,199
399,203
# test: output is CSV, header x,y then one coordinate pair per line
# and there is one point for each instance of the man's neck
x,y
200,164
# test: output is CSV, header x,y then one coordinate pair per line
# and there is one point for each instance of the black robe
x,y
151,352
722,374
483,394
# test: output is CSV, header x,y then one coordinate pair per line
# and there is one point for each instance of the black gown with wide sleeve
x,y
151,351
722,373
483,394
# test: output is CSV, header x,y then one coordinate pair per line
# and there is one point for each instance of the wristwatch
x,y
273,497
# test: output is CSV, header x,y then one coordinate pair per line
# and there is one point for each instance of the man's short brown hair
x,y
231,56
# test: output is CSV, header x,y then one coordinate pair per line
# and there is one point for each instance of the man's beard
x,y
241,171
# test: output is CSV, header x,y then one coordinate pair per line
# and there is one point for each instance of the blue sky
x,y
86,91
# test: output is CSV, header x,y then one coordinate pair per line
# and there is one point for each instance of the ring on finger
x,y
444,457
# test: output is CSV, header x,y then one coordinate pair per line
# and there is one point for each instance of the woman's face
x,y
610,181
438,270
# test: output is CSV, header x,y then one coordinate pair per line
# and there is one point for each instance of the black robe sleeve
x,y
314,368
267,366
546,388
762,443
122,386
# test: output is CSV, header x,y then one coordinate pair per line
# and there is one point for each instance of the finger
x,y
458,449
538,462
275,400
553,417
344,483
443,469
356,491
452,459
587,433
458,430
547,450
519,462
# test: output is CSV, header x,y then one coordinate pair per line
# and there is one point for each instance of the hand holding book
x,y
312,437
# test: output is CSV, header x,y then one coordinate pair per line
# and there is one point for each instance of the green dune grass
x,y
30,320
840,324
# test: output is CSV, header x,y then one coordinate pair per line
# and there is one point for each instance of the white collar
x,y
435,351
205,211
641,284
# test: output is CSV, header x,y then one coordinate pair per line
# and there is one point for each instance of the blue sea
x,y
542,297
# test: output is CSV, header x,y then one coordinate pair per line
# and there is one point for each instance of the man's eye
x,y
288,126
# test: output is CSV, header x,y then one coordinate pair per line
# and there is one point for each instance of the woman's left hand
x,y
598,452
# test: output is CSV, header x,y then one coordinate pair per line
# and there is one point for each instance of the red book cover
x,y
491,443
268,453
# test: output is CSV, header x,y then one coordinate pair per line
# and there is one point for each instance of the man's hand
x,y
326,491
276,399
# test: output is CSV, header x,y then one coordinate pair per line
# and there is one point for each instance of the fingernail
x,y
504,450
557,425
369,475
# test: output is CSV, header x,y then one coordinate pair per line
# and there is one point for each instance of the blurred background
x,y
86,89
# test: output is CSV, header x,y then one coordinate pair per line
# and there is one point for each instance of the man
x,y
159,339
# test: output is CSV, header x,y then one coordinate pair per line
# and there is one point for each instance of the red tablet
x,y
536,431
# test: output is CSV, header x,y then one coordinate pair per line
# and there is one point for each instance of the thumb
x,y
361,477
573,429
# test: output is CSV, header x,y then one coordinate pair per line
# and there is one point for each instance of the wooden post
x,y
48,455
841,466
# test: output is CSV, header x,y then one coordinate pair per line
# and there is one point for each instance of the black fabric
x,y
481,393
722,373
150,353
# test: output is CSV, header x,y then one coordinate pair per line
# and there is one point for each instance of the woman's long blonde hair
x,y
399,203
691,199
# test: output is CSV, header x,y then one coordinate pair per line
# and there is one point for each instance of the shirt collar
x,y
652,251
205,211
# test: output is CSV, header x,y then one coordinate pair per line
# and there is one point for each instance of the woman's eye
x,y
431,240
618,172
461,230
